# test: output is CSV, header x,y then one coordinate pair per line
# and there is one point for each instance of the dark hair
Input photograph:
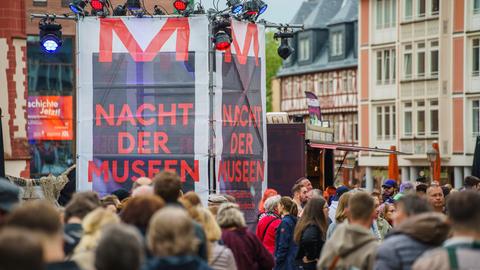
x,y
471,181
361,206
168,186
79,206
312,215
20,250
289,205
120,248
88,195
463,210
413,204
296,188
299,180
139,210
38,216
421,188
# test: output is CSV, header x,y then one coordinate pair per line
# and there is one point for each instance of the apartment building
x,y
419,79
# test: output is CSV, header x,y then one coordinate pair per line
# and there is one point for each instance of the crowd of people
x,y
156,226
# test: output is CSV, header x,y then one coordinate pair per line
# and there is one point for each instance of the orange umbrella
x,y
437,166
393,165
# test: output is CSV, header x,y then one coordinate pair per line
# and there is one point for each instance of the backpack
x,y
452,253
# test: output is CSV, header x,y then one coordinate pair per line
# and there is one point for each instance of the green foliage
x,y
273,62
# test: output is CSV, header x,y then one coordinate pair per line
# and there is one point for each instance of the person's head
x,y
214,202
111,203
120,247
376,193
230,198
388,212
121,194
435,197
89,196
377,205
168,186
300,193
271,203
421,189
342,208
340,191
9,197
286,206
20,249
140,210
193,198
464,213
314,213
305,182
410,205
77,208
361,209
406,188
144,190
209,224
171,233
472,182
92,226
41,218
269,192
230,216
389,187
142,181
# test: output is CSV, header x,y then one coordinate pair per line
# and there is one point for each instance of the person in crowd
x,y
306,183
247,249
435,197
268,223
172,241
387,211
120,247
421,189
90,196
193,198
214,202
122,194
332,210
329,194
446,189
472,182
462,250
378,194
285,247
300,196
144,190
220,257
141,181
168,186
310,232
20,249
230,198
341,214
140,210
41,218
405,188
269,192
382,225
417,229
75,211
352,244
9,198
92,225
111,203
389,188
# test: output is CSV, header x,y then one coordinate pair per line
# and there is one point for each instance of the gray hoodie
x,y
355,245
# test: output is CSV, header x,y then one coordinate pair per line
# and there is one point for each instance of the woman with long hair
x,y
340,214
310,232
285,247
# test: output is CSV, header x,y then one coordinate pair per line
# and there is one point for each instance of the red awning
x,y
353,148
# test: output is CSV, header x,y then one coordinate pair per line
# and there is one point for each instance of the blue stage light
x,y
50,35
262,7
237,9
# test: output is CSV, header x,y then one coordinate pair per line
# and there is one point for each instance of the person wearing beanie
x,y
405,188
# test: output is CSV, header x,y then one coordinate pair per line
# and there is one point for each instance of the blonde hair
x,y
230,216
212,230
92,225
171,232
341,213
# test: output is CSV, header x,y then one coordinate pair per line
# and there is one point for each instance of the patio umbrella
x,y
476,159
393,165
437,166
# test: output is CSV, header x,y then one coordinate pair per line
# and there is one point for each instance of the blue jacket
x,y
285,247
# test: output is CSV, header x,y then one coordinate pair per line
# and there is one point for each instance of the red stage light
x,y
222,46
252,12
180,5
97,5
222,41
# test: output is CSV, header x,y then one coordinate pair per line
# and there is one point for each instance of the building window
x,y
421,8
420,118
407,62
476,6
476,56
386,13
434,58
421,60
336,44
433,117
386,122
407,124
476,117
435,7
304,50
385,69
409,10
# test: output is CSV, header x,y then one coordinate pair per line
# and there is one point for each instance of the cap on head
x,y
389,184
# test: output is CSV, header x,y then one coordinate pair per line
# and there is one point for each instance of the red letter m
x,y
108,26
242,55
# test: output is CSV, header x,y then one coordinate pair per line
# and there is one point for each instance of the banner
x,y
143,102
240,117
313,108
50,118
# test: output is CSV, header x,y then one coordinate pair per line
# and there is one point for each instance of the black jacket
x,y
310,246
177,263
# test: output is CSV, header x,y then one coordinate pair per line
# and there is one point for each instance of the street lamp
x,y
351,158
431,156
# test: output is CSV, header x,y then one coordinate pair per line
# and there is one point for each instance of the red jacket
x,y
266,230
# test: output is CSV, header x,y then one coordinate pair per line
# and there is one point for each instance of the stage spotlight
x,y
134,5
262,7
222,41
78,6
180,5
97,5
235,6
284,50
120,11
50,35
222,34
158,11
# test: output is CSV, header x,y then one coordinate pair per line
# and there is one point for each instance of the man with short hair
x,y
462,251
305,182
472,182
42,218
389,189
20,250
300,196
417,229
435,198
352,245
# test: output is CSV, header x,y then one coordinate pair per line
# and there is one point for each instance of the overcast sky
x,y
279,11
